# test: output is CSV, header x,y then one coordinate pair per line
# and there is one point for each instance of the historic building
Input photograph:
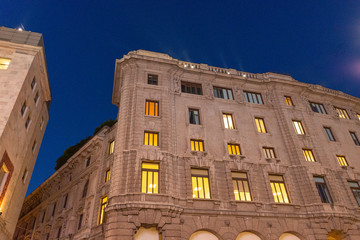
x,y
206,153
24,112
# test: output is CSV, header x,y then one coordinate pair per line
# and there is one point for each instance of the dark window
x,y
23,109
88,162
65,200
152,79
193,88
354,138
194,117
269,152
329,134
43,216
318,107
53,211
224,93
253,97
80,221
27,123
59,233
322,189
85,189
36,98
33,82
355,189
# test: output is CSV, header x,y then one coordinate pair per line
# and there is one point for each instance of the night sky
x,y
314,41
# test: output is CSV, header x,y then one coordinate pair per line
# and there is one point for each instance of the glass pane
x,y
155,139
230,122
236,190
146,137
230,94
207,188
247,191
274,192
156,184
197,145
353,184
225,121
284,193
152,107
150,165
319,179
151,138
156,109
143,181
192,145
237,150
201,146
241,190
150,182
246,98
147,108
230,149
275,178
194,186
225,93
200,187
278,192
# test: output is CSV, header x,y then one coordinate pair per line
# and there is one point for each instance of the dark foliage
x,y
108,123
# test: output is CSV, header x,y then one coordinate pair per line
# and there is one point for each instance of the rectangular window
x,y
33,146
4,63
322,190
197,145
241,186
80,221
200,183
24,176
193,88
269,152
288,101
355,189
65,200
308,154
85,189
234,149
253,97
150,178
23,109
107,175
317,107
279,189
342,160
32,84
298,127
194,117
151,138
228,121
354,138
103,205
224,93
4,174
53,210
151,108
111,147
342,113
152,79
27,122
329,134
260,124
36,98
59,233
88,162
43,217
358,116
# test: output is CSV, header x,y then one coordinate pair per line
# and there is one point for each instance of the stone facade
x,y
24,101
311,211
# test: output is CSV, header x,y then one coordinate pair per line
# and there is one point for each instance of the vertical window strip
x,y
107,175
200,183
151,138
329,134
342,160
228,121
288,101
309,156
111,147
260,124
241,186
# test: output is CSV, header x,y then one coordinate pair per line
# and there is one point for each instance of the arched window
x,y
247,236
288,236
203,235
147,234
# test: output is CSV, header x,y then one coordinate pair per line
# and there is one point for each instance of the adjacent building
x,y
207,153
24,112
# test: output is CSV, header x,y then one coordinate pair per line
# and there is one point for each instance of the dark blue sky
x,y
314,41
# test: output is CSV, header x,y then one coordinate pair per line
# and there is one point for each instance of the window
x,y
197,145
80,221
234,149
241,186
193,88
342,160
200,183
36,98
151,108
43,217
253,97
88,162
33,146
103,205
152,79
228,121
279,189
317,107
308,154
322,189
59,233
355,189
194,117
288,101
224,93
111,147
24,176
23,109
329,134
342,113
53,210
355,139
27,122
33,82
298,127
4,63
260,124
151,138
41,122
85,189
358,116
4,173
269,152
107,175
65,200
150,178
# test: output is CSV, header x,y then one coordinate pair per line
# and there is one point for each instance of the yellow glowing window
x,y
288,101
342,160
228,121
197,145
298,127
111,147
4,63
234,149
358,116
269,152
279,189
200,183
260,124
342,113
241,186
150,178
309,156
107,175
151,138
151,108
103,205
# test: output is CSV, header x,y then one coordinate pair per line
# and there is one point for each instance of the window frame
x,y
223,93
111,146
282,186
23,109
234,147
192,116
107,175
149,109
269,151
195,145
355,193
80,221
298,127
307,152
206,195
85,189
326,198
241,180
342,113
4,63
150,81
318,107
329,134
153,136
146,187
288,101
342,160
249,97
193,86
227,119
260,125
103,205
354,138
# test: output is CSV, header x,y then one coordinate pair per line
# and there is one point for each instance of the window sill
x,y
151,116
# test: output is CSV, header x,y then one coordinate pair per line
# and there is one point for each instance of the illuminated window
x,y
193,88
342,160
107,175
197,145
4,174
308,154
241,186
23,109
103,205
317,107
151,138
80,221
111,147
253,97
36,98
200,183
150,178
228,121
269,152
288,101
354,138
152,79
279,189
151,108
355,189
322,190
234,149
342,113
358,116
33,83
298,127
85,189
260,124
194,117
224,93
27,122
4,63
329,134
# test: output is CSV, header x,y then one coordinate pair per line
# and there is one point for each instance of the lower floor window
x,y
200,183
322,189
151,138
241,186
150,178
279,189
